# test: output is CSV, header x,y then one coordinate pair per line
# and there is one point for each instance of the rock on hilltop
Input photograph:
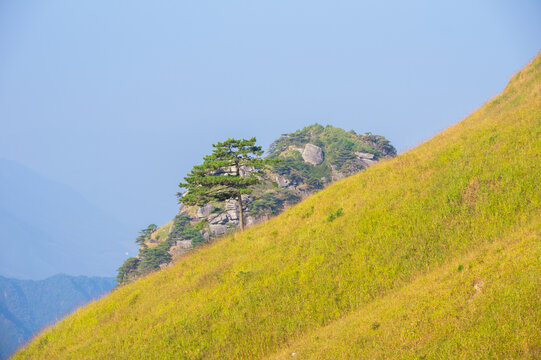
x,y
311,158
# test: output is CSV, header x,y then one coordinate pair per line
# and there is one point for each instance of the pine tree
x,y
220,177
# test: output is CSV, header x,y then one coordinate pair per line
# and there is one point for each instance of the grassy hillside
x,y
434,254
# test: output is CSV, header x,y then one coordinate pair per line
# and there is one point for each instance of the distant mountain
x,y
26,306
49,228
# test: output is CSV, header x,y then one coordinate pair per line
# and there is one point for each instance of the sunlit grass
x,y
382,270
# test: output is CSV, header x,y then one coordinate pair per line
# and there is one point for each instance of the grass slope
x,y
378,278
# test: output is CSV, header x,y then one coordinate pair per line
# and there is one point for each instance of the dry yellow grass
x,y
381,280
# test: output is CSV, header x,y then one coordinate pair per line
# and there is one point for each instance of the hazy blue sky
x,y
118,99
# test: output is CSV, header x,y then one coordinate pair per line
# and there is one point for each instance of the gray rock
x,y
362,155
231,204
250,220
220,218
183,209
367,163
246,198
218,229
336,175
246,170
184,244
232,214
312,154
175,250
282,181
204,211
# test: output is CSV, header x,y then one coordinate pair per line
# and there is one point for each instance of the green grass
x,y
379,281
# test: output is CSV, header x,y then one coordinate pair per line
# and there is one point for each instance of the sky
x,y
119,99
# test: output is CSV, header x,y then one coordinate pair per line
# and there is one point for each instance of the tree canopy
x,y
230,171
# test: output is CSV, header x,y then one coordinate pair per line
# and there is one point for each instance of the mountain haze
x,y
433,254
49,228
26,306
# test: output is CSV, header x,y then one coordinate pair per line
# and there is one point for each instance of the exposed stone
x,y
205,235
218,229
204,211
176,250
366,163
230,204
232,214
183,209
336,175
246,198
184,244
220,218
282,181
246,170
362,155
250,220
312,154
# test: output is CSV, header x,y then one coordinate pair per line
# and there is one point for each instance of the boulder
x,y
220,218
204,211
312,154
218,229
362,155
184,244
282,181
231,204
232,214
246,170
205,235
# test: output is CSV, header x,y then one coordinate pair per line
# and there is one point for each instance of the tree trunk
x,y
241,213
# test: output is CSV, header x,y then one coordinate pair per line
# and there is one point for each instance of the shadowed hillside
x,y
432,254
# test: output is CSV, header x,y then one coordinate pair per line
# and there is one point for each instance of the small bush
x,y
335,214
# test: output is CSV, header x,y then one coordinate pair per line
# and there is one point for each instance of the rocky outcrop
x,y
361,155
282,181
312,154
303,169
218,229
204,211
